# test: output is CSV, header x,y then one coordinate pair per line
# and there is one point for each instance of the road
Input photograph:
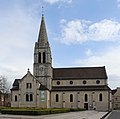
x,y
114,115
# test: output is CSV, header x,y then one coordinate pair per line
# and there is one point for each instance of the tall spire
x,y
42,57
42,38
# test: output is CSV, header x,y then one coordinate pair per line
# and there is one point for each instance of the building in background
x,y
5,99
116,98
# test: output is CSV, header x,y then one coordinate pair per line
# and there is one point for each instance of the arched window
x,y
86,97
100,97
15,98
44,57
57,98
31,97
39,57
27,97
71,97
28,85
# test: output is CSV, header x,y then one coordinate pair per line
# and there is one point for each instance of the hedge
x,y
56,111
25,112
76,109
30,111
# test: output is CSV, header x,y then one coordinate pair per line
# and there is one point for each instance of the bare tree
x,y
4,85
4,91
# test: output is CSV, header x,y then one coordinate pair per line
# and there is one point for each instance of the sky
x,y
82,33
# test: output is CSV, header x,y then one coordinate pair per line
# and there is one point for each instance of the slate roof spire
x,y
42,38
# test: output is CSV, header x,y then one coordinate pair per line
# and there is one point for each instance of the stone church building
x,y
48,87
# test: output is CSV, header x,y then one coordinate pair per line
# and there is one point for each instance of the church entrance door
x,y
86,106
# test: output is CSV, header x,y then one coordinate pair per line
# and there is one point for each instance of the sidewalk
x,y
71,115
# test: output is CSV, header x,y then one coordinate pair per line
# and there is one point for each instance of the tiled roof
x,y
16,85
42,87
80,73
114,91
80,88
16,82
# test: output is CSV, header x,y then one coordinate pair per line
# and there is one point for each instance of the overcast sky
x,y
81,33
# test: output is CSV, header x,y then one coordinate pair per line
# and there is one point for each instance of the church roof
x,y
81,88
80,73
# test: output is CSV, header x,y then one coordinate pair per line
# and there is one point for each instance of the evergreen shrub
x,y
36,111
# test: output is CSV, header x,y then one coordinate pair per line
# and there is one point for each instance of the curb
x,y
103,117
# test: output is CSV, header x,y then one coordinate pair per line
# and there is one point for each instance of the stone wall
x,y
79,82
79,100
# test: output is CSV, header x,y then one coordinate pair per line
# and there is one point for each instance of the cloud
x,y
17,36
89,52
62,21
110,58
118,3
56,1
80,31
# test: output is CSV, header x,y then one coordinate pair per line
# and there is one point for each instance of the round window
x,y
71,82
58,82
84,82
97,81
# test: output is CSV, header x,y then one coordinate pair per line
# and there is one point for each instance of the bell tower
x,y
42,68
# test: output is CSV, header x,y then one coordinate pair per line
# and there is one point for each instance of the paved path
x,y
71,115
114,115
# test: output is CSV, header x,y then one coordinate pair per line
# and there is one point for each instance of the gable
x,y
16,84
28,76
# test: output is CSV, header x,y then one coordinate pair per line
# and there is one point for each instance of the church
x,y
48,87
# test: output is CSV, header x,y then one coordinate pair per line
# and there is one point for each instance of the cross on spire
x,y
42,11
